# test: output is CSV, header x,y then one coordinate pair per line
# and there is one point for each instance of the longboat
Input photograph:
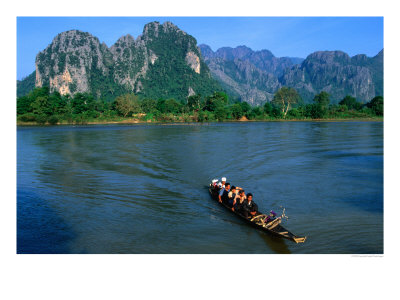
x,y
272,227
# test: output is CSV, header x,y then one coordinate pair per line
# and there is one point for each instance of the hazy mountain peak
x,y
329,56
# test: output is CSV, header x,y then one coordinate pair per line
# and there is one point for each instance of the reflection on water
x,y
276,244
140,188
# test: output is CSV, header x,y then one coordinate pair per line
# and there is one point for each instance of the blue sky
x,y
283,36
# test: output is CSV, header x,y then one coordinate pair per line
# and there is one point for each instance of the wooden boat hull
x,y
272,227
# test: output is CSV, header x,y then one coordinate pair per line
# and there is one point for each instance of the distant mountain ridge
x,y
254,76
165,62
338,74
263,59
251,76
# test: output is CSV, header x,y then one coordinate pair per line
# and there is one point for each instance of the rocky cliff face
x,y
75,62
70,62
338,74
249,75
243,80
263,60
130,61
254,76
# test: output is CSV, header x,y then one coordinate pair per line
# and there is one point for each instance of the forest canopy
x,y
43,107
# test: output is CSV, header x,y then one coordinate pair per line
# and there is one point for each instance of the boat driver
x,y
250,209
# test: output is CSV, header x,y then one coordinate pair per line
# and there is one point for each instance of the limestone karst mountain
x,y
254,76
162,62
165,62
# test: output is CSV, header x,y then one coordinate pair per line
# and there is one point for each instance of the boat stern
x,y
300,239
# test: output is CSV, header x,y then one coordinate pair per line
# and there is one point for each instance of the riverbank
x,y
42,108
139,121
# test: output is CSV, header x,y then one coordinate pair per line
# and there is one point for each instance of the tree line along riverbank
x,y
42,107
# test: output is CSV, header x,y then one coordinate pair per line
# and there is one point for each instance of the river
x,y
143,188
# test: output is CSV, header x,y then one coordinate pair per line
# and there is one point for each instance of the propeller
x,y
284,216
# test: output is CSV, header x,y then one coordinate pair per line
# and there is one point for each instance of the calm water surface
x,y
142,188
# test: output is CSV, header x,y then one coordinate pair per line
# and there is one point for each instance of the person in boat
x,y
221,184
232,195
250,209
239,201
214,183
223,196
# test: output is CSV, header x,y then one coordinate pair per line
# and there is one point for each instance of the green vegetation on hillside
x,y
42,107
170,76
26,85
